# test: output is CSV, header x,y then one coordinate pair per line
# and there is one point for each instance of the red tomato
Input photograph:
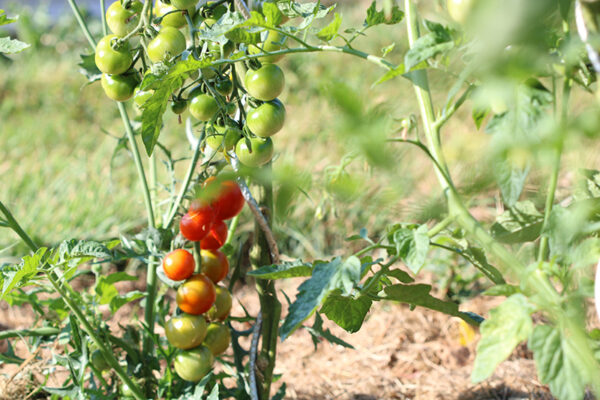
x,y
229,200
216,237
179,265
196,223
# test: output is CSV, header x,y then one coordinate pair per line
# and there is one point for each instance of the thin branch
x,y
253,354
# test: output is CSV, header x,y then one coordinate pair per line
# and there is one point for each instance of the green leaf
x,y
502,290
331,31
12,46
317,333
214,393
287,269
120,300
556,365
88,68
436,42
346,311
75,248
105,286
375,17
273,16
521,223
412,246
477,257
326,277
391,74
387,50
402,276
4,19
508,325
22,275
511,181
418,295
478,115
241,35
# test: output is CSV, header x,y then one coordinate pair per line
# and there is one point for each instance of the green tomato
x,y
174,19
186,331
260,153
167,44
98,361
214,15
222,307
111,61
270,44
184,4
122,21
179,106
119,87
224,87
193,365
267,119
459,10
224,137
266,83
141,96
208,72
217,338
203,107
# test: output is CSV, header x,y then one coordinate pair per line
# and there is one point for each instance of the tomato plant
x,y
222,307
203,107
196,295
265,83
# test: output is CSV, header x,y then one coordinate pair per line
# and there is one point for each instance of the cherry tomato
x,y
141,96
208,72
179,106
228,200
266,83
222,307
215,15
179,265
203,107
459,10
196,223
186,331
119,87
216,237
184,4
224,87
270,44
193,365
217,338
167,44
172,19
214,265
98,361
260,153
112,61
196,295
266,119
122,21
224,137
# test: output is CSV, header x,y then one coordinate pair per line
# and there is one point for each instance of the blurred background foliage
x,y
335,173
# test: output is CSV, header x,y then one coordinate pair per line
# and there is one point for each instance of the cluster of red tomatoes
x,y
209,96
199,331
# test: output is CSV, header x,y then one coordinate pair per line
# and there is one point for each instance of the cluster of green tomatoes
x,y
237,116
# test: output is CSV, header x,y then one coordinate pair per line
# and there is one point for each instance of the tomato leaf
x,y
502,290
4,19
88,68
326,277
557,366
331,31
346,311
375,17
392,73
436,42
508,325
273,16
317,333
418,295
12,46
13,277
214,393
521,223
287,269
412,245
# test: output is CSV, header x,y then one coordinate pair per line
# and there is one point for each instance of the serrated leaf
x,y
331,31
375,17
214,393
241,35
418,295
105,286
88,68
521,223
21,275
412,246
12,46
75,248
317,333
436,42
402,276
287,269
391,74
273,16
555,365
326,277
346,311
4,19
120,300
508,325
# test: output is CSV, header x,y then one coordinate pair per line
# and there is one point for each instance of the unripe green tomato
x,y
225,137
268,46
203,107
261,151
266,83
179,106
208,72
215,16
119,87
193,365
459,10
167,44
141,96
231,109
122,21
99,362
111,61
217,338
222,307
224,87
267,119
184,4
175,19
186,331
